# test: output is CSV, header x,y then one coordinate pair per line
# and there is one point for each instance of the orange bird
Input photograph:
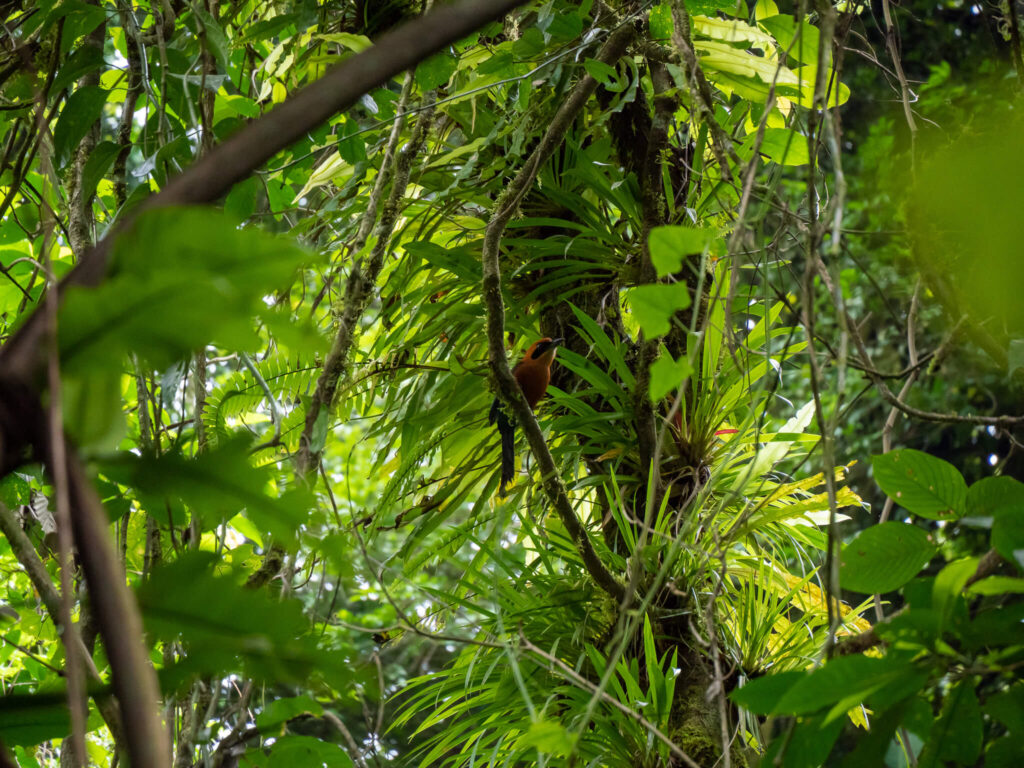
x,y
532,374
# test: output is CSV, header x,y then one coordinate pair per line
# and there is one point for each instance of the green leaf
x,y
356,43
989,495
97,165
273,718
213,37
80,113
923,484
86,59
1008,534
600,71
998,585
1008,708
216,484
27,720
267,29
957,734
763,9
670,246
182,278
14,491
781,145
435,71
947,589
226,626
294,751
660,21
318,438
667,374
92,408
785,30
884,557
245,527
844,682
549,737
654,306
241,200
762,694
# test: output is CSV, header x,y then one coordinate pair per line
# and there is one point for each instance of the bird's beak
x,y
556,342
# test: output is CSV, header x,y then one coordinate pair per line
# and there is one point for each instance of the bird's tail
x,y
508,443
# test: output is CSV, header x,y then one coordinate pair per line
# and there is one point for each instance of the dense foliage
x,y
265,267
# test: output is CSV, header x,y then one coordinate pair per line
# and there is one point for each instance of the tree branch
x,y
234,160
362,278
508,389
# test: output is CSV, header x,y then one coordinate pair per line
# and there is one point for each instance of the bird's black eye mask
x,y
544,346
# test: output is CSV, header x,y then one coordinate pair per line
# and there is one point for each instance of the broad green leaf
x,y
549,737
356,43
216,485
884,557
732,31
294,751
435,71
948,586
763,693
14,491
1007,706
600,71
182,278
781,145
86,59
213,37
660,21
670,246
227,627
922,484
799,41
764,9
655,305
957,734
335,169
273,718
242,524
667,374
241,200
267,29
97,165
846,681
93,416
997,585
82,110
990,494
1008,534
30,719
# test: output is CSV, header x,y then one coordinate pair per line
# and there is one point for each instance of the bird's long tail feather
x,y
508,443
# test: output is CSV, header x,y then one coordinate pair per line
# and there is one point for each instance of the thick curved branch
x,y
23,358
508,389
117,614
234,160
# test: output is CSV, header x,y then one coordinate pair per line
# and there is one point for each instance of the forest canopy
x,y
511,382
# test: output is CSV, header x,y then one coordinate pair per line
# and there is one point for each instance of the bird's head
x,y
543,350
